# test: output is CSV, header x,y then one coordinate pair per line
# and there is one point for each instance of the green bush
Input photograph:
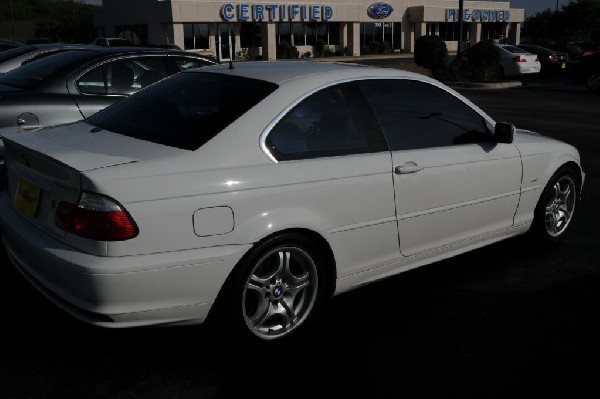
x,y
431,53
484,59
286,50
319,48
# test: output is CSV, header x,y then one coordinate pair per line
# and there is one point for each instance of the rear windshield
x,y
31,74
184,111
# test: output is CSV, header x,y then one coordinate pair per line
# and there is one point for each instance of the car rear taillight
x,y
553,58
519,59
96,217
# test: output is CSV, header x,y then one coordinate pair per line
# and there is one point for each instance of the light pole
x,y
460,28
12,20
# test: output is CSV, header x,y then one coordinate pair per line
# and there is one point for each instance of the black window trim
x,y
375,139
488,121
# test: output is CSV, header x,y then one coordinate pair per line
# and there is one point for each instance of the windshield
x,y
184,111
31,74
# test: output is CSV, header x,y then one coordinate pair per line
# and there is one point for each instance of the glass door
x,y
224,42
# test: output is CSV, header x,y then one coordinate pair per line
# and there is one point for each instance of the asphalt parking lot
x,y
505,321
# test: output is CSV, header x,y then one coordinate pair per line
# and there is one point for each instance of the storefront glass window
x,y
195,36
284,32
380,36
250,35
298,32
316,31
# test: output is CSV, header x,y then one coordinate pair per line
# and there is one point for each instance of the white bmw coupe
x,y
251,195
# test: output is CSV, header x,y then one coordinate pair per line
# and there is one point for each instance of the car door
x,y
452,182
111,81
331,143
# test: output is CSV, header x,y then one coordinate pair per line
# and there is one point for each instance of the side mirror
x,y
504,133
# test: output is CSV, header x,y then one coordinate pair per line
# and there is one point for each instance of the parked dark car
x,y
111,42
6,44
553,62
18,56
574,52
587,72
73,85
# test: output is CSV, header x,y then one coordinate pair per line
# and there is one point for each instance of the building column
x,y
408,35
269,41
343,36
517,29
175,34
506,30
237,42
475,32
354,39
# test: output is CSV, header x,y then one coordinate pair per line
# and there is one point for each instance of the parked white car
x,y
516,61
289,183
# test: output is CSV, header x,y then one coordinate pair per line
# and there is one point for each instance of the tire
x,y
592,82
276,289
556,207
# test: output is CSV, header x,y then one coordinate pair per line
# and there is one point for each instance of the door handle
x,y
408,167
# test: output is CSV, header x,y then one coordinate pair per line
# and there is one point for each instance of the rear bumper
x,y
174,287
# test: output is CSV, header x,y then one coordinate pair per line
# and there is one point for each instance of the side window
x,y
125,76
93,82
328,123
415,115
183,63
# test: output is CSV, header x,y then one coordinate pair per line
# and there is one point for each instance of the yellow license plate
x,y
27,197
563,66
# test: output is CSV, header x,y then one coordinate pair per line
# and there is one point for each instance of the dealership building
x,y
228,28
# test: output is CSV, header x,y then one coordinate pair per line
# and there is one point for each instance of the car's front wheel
x,y
592,82
556,208
277,288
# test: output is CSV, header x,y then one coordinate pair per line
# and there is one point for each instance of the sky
x,y
531,6
534,6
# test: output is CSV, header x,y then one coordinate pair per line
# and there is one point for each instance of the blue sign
x,y
380,10
275,12
483,15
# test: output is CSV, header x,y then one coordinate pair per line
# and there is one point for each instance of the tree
x,y
431,53
578,21
67,21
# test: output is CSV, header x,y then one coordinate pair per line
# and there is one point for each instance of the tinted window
x,y
123,76
184,63
184,111
416,115
31,74
325,124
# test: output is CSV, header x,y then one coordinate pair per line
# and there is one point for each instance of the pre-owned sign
x,y
478,15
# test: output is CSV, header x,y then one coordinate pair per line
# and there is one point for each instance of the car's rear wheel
x,y
277,288
556,208
592,82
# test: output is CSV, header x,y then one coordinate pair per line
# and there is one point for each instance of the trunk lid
x,y
46,166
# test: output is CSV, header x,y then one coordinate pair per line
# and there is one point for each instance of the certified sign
x,y
380,10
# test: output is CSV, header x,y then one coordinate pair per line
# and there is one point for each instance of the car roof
x,y
279,72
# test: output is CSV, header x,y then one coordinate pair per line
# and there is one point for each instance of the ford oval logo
x,y
380,10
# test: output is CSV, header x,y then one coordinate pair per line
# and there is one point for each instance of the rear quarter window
x,y
185,110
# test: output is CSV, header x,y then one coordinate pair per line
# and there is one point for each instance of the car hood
x,y
530,143
84,147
